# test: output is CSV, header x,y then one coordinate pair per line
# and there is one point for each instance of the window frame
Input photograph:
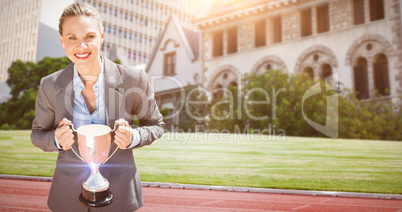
x,y
277,29
323,23
260,33
377,10
381,75
169,69
361,86
306,22
232,46
217,45
358,18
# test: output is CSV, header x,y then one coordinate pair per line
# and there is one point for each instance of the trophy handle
x,y
74,130
72,127
114,129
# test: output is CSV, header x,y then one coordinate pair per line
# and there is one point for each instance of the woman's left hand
x,y
123,135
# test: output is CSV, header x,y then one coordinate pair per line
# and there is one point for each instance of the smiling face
x,y
82,39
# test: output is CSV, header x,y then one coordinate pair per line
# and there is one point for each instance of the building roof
x,y
193,38
189,38
224,10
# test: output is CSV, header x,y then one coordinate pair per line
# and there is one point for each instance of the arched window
x,y
232,84
361,79
326,71
309,71
381,81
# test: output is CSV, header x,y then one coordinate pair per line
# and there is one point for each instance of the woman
x,y
93,90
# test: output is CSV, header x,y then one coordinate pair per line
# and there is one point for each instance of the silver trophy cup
x,y
94,142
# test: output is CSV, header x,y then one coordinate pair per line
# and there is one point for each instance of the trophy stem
x,y
95,190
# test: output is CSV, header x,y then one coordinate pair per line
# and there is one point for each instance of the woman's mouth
x,y
82,56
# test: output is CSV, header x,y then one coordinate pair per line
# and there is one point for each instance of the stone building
x,y
360,40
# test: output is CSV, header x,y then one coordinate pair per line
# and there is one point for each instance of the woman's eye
x,y
90,36
72,38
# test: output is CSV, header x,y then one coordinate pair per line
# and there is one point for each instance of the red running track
x,y
26,195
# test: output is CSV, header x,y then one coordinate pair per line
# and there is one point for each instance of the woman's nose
x,y
82,44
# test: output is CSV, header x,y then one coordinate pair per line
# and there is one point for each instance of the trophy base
x,y
96,199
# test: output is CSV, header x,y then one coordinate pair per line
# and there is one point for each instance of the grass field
x,y
232,160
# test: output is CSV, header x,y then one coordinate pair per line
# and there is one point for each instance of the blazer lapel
x,y
113,95
65,95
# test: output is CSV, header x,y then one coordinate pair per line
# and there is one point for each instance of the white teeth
x,y
82,55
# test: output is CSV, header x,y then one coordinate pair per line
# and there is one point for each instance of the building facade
x,y
174,66
19,23
132,26
360,40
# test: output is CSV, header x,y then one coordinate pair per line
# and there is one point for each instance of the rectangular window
x,y
277,27
358,11
217,44
169,64
232,40
376,10
306,28
260,33
322,19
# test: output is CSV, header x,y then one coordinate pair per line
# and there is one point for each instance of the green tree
x,y
117,61
24,79
377,118
194,109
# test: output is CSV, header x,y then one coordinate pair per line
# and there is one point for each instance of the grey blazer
x,y
127,93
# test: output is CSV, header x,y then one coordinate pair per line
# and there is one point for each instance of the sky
x,y
51,11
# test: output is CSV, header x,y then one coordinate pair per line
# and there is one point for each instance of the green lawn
x,y
297,163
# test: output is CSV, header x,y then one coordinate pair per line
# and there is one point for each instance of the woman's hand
x,y
64,134
123,135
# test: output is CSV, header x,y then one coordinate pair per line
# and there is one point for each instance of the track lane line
x,y
215,208
25,196
25,209
206,203
252,200
24,187
325,200
304,206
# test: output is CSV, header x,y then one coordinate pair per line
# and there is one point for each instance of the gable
x,y
174,35
184,44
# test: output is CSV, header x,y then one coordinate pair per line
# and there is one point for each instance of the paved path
x,y
27,195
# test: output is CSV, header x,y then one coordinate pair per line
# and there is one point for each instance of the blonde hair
x,y
77,9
